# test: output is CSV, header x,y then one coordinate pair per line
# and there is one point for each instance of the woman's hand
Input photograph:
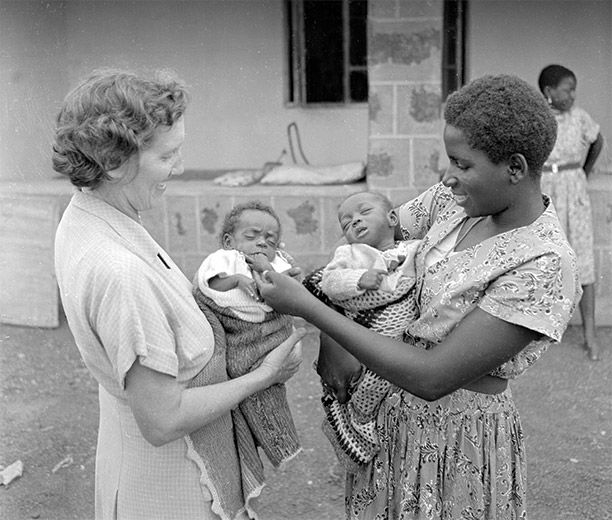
x,y
284,293
284,361
337,368
165,410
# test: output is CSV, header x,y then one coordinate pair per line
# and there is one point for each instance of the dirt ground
x,y
49,410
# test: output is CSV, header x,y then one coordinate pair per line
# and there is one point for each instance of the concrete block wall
x,y
189,221
404,71
600,192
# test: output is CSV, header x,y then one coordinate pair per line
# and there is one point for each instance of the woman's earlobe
x,y
517,167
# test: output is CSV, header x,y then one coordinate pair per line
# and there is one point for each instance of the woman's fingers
x,y
284,361
283,293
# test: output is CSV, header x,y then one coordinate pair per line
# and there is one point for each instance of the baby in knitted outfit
x,y
371,279
250,238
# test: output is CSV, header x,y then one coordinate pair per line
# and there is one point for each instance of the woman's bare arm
x,y
593,154
166,411
479,344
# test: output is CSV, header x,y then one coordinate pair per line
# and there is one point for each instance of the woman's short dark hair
x,y
232,218
110,116
503,115
552,75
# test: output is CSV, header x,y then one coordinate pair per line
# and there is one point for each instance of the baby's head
x,y
252,228
368,218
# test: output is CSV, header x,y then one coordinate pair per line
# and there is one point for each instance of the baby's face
x,y
256,232
365,219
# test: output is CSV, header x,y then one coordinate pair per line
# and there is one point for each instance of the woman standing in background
x,y
564,179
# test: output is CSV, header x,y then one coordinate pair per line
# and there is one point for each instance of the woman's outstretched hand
x,y
284,361
283,292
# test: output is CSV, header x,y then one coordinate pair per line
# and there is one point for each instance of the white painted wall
x,y
230,52
523,36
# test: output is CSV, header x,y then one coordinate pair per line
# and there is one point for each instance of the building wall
x,y
230,53
405,153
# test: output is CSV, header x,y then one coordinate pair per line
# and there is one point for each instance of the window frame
x,y
454,25
453,75
295,87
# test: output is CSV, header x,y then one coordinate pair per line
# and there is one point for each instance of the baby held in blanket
x,y
371,279
224,283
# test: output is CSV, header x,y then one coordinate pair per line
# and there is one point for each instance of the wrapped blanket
x,y
224,450
266,413
351,427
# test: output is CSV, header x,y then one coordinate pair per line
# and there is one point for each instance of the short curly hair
x,y
552,75
109,117
231,219
503,115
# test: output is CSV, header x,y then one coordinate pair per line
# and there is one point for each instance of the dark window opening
x,y
453,50
327,42
328,51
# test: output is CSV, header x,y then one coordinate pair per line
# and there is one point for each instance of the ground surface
x,y
48,420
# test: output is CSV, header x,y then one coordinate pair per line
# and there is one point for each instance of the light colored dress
x,y
125,300
576,132
462,456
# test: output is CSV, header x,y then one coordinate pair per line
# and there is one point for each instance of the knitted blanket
x,y
266,413
351,427
224,450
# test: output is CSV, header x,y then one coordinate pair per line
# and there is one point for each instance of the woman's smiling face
x,y
156,164
479,186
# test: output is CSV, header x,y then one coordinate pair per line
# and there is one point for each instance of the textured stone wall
x,y
404,71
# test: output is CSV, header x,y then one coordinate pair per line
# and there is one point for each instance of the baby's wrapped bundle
x,y
351,427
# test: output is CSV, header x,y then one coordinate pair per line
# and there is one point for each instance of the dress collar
x,y
128,229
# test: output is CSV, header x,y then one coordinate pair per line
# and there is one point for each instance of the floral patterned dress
x,y
576,132
462,456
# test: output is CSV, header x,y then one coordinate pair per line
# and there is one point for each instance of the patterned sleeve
x,y
590,129
418,215
538,295
131,323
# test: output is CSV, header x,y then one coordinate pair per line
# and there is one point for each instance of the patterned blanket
x,y
351,427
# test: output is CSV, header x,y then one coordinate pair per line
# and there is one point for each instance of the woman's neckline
x,y
468,224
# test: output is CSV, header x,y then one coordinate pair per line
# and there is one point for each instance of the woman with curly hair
x,y
166,447
564,179
496,282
